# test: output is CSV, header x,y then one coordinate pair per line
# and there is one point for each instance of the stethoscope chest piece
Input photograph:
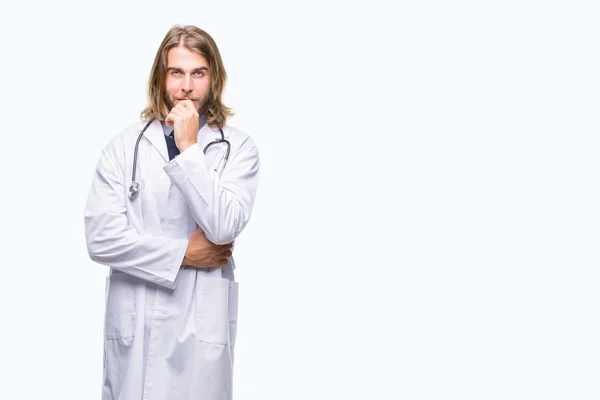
x,y
134,190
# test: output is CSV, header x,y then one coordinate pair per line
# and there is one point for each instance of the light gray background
x,y
426,225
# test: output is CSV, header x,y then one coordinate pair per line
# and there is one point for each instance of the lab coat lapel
x,y
208,134
205,135
156,136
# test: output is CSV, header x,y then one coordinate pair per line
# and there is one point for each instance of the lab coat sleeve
x,y
112,241
220,204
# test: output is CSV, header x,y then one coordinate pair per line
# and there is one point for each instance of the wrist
x,y
186,144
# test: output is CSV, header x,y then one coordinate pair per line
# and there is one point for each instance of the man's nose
x,y
187,83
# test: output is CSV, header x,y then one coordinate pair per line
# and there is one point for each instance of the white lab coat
x,y
169,332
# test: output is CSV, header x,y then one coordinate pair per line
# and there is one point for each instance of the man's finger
x,y
172,117
225,251
169,120
175,113
182,107
187,104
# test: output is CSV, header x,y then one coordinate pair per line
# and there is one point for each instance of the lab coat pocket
x,y
216,311
120,314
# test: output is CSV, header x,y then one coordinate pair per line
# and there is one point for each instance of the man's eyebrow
x,y
179,69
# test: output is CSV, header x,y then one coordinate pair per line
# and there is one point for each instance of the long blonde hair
x,y
193,39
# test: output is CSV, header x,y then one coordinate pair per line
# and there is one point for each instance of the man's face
x,y
188,77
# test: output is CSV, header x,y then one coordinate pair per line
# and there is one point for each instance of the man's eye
x,y
175,73
199,73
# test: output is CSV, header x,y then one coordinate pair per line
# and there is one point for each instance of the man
x,y
169,196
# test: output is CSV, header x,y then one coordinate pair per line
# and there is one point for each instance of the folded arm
x,y
112,241
220,204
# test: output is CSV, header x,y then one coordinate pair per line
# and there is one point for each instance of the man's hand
x,y
202,253
185,119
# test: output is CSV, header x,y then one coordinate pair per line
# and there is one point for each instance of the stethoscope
x,y
134,189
